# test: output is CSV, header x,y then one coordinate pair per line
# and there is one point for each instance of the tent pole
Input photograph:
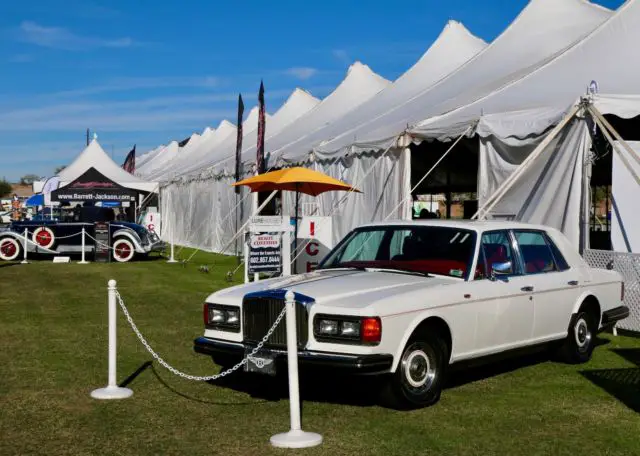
x,y
428,173
257,211
508,183
295,232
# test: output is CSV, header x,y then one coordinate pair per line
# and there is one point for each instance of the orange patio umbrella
x,y
297,179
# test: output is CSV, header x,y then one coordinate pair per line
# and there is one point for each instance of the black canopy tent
x,y
94,186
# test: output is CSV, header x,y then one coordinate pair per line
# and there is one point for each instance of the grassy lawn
x,y
53,339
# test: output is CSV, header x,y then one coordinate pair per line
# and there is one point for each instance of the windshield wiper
x,y
402,271
357,268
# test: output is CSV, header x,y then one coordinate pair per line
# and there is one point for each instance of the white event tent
x,y
94,156
210,187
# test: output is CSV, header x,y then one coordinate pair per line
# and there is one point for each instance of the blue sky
x,y
148,72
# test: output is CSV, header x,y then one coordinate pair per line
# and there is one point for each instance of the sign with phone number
x,y
265,253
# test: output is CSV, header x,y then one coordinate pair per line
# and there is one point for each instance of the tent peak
x,y
358,71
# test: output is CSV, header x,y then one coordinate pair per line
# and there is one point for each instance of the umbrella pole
x,y
295,232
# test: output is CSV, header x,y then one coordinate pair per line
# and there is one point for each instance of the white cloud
x,y
341,55
135,83
301,73
62,38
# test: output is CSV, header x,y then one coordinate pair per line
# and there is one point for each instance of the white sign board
x,y
314,241
625,217
151,222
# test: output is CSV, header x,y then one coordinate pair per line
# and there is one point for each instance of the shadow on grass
x,y
623,384
464,373
364,391
6,265
189,397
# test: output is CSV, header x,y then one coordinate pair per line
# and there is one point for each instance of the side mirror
x,y
498,269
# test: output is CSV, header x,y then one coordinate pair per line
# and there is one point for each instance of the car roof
x,y
475,225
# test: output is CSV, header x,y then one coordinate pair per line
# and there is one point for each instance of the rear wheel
x,y
9,249
580,341
419,377
123,250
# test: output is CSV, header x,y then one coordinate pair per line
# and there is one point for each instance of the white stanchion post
x,y
296,437
24,247
83,261
171,258
112,390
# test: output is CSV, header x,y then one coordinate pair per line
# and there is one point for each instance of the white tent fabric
x,y
94,156
142,159
299,104
543,29
603,56
200,154
359,85
214,192
550,192
156,168
149,167
454,46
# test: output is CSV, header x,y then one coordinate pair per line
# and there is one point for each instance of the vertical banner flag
x,y
260,165
239,139
129,164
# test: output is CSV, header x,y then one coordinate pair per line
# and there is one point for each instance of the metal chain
x,y
196,377
56,237
99,243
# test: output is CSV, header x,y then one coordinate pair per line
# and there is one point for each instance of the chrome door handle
x,y
572,282
529,288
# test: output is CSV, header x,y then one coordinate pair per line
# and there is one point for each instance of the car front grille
x,y
260,313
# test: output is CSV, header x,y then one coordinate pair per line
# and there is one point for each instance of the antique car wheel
x,y
580,341
9,249
417,381
43,237
123,250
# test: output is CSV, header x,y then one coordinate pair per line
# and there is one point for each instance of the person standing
x,y
15,208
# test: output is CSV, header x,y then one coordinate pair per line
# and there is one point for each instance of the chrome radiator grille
x,y
259,314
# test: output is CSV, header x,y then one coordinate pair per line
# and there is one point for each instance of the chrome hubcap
x,y
419,369
582,334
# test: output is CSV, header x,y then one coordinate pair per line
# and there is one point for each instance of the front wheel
x,y
580,341
9,249
419,377
123,250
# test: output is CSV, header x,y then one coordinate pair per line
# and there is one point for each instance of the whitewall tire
x,y
123,250
43,237
9,249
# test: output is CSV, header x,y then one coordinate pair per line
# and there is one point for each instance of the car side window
x,y
495,248
536,252
561,263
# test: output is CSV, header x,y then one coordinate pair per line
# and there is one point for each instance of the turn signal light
x,y
371,330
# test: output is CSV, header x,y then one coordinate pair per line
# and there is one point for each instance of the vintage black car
x,y
64,236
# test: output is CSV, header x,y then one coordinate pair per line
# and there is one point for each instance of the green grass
x,y
53,340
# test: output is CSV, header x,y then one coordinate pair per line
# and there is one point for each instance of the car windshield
x,y
422,249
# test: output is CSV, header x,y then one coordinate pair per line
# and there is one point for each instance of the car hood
x,y
338,288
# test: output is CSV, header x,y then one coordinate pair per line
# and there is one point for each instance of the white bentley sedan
x,y
409,299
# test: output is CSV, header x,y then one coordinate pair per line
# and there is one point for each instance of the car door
x,y
507,320
556,287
